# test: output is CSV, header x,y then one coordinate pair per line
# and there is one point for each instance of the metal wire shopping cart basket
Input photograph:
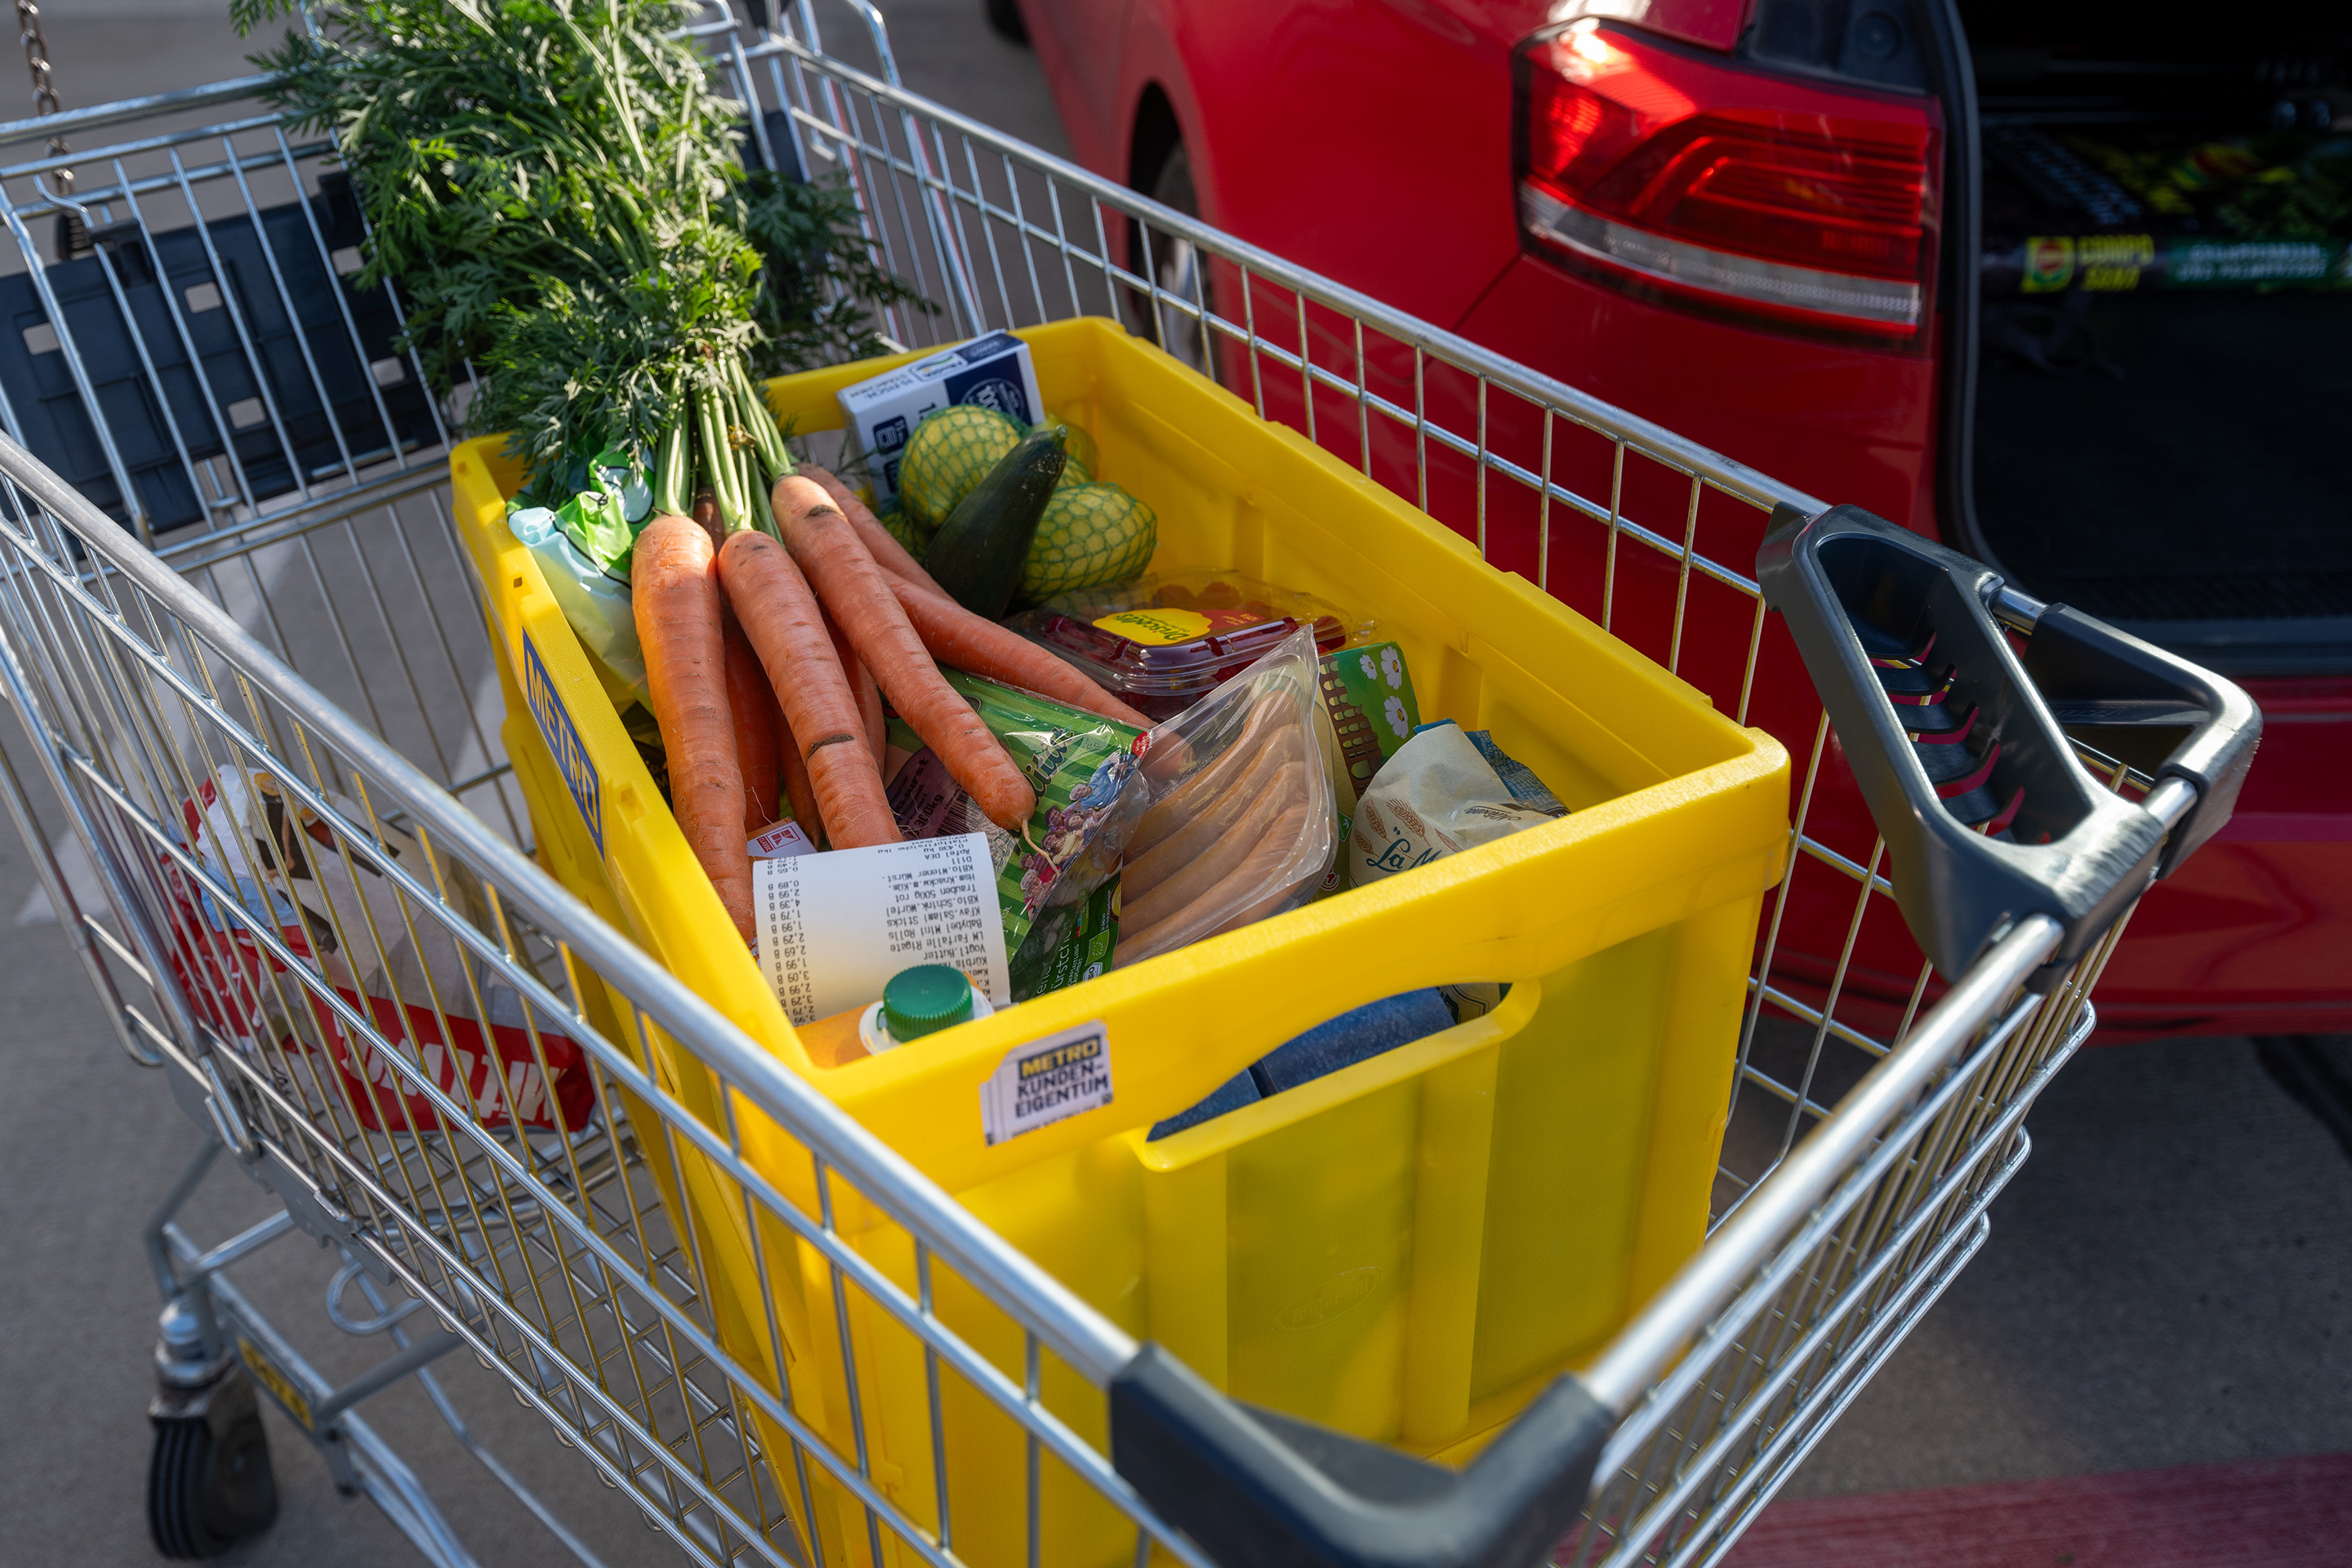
x,y
279,607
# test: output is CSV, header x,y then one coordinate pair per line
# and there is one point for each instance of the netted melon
x,y
950,451
1092,535
904,529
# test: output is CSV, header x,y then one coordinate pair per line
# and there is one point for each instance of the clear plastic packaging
x,y
1241,820
1084,768
1164,643
596,603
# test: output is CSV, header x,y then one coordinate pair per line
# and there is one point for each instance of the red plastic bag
x,y
296,881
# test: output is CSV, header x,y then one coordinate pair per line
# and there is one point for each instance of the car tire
x,y
1004,20
1176,265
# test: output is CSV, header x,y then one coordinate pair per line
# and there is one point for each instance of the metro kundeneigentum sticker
x,y
1043,1081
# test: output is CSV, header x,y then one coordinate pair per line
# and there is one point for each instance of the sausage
x,y
1200,872
1144,872
1207,915
1208,781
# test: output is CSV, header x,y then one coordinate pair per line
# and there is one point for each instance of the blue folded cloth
x,y
1351,1037
1231,1095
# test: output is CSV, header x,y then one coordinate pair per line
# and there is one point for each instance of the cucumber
x,y
978,553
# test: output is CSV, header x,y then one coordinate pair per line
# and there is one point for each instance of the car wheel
x,y
1176,266
1004,20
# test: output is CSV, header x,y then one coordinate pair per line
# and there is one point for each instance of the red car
x,y
2064,285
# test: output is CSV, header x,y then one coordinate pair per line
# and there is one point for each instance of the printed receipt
x,y
834,928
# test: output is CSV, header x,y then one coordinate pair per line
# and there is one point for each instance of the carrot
x,y
779,616
676,603
753,705
706,512
797,789
861,686
869,707
971,643
880,543
828,549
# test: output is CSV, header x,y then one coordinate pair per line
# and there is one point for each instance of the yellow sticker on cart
x,y
265,1373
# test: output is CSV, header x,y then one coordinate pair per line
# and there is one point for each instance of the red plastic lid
x,y
1162,643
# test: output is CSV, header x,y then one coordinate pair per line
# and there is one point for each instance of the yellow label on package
x,y
1155,627
2049,264
2111,263
1042,1082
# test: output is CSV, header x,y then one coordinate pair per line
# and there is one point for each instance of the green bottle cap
x,y
924,1000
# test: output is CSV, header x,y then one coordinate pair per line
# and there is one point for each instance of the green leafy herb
x,y
557,192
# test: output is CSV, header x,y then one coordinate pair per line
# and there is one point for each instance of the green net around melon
x,y
1091,535
904,529
948,454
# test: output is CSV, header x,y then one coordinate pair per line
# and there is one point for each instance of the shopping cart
x,y
459,1077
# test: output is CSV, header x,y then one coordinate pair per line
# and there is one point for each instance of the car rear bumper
x,y
2253,935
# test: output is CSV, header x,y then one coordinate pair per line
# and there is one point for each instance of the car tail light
x,y
1726,187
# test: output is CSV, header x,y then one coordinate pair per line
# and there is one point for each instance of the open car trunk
x,y
2163,413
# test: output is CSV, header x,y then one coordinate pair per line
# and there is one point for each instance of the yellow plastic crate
x,y
1406,1249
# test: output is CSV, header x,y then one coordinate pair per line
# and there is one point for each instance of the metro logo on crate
x,y
562,739
1407,1248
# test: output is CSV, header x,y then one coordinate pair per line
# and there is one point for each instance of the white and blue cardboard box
x,y
881,414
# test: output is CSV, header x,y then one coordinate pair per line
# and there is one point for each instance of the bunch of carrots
x,y
559,194
769,655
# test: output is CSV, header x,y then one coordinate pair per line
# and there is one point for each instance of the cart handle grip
x,y
1256,1489
1963,747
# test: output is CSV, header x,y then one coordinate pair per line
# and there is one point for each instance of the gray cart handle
x,y
1256,1489
2007,854
1961,744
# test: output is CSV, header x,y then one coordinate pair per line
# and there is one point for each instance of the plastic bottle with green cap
x,y
924,1000
918,1001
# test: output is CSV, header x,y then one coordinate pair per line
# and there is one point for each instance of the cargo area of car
x,y
2164,386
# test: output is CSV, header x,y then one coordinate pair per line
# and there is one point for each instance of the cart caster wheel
x,y
206,1494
